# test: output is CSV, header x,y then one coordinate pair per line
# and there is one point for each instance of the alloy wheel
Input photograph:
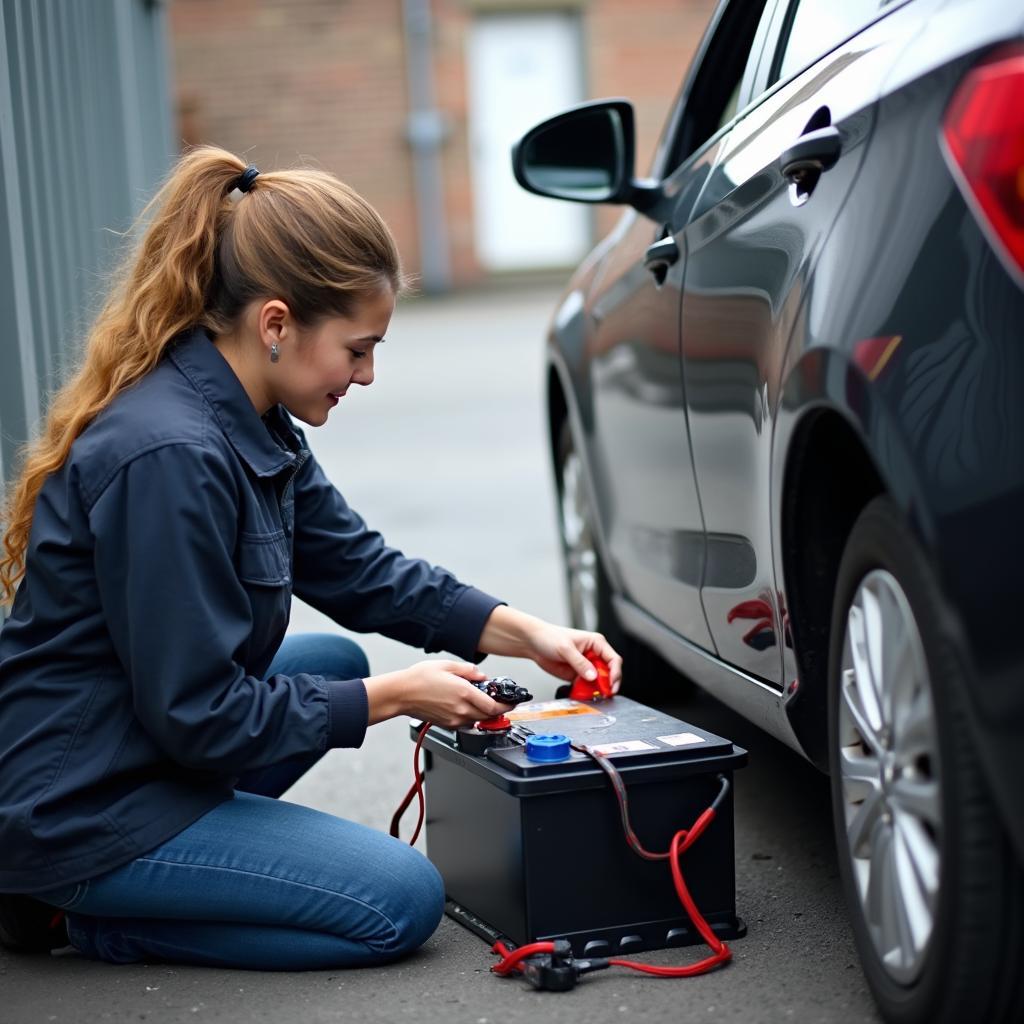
x,y
580,554
889,774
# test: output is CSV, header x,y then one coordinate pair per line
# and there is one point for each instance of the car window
x,y
715,93
730,107
814,27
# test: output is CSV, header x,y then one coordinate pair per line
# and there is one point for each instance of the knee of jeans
x,y
320,654
419,904
359,659
346,659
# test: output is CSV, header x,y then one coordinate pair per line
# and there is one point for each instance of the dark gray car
x,y
786,400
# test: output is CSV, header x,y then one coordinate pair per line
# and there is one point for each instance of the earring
x,y
275,353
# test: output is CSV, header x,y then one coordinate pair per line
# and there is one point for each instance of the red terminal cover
x,y
498,724
593,689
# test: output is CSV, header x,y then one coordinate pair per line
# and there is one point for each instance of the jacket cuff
x,y
348,712
461,631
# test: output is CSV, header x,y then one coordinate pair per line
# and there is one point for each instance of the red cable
x,y
721,953
510,958
415,789
681,842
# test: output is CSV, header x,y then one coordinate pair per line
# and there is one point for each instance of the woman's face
x,y
317,369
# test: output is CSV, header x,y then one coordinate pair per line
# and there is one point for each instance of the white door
x,y
522,69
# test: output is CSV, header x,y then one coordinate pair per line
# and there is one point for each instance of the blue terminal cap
x,y
547,747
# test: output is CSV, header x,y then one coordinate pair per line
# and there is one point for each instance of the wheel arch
x,y
829,478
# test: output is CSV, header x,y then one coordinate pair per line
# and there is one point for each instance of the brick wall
x,y
283,81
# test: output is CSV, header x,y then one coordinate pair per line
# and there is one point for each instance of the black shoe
x,y
29,926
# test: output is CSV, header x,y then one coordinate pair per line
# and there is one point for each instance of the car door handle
x,y
812,153
660,256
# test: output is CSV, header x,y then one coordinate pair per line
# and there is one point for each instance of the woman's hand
x,y
436,691
558,650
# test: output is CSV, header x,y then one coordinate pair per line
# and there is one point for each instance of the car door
x,y
752,241
640,458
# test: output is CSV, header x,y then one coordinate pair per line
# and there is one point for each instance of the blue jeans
x,y
262,883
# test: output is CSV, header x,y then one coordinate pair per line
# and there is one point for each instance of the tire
x,y
646,676
935,894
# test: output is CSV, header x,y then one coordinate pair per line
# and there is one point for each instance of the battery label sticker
x,y
549,709
682,739
625,747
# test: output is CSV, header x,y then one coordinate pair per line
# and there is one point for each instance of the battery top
x,y
638,739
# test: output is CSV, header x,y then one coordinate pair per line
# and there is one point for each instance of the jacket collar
x,y
199,361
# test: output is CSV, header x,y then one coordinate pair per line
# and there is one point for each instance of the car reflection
x,y
761,635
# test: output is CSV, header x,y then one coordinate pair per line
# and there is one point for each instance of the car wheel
x,y
934,891
645,674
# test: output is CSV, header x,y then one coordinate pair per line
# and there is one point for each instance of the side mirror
x,y
585,154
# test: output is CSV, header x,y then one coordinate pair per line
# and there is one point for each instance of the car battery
x,y
534,850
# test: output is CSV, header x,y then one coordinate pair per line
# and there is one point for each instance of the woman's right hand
x,y
436,691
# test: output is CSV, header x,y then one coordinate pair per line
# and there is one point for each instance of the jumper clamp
x,y
490,732
554,969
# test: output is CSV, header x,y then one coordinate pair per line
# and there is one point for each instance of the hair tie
x,y
247,178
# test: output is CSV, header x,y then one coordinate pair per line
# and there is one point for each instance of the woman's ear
x,y
274,323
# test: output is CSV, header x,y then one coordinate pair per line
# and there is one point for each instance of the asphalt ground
x,y
446,455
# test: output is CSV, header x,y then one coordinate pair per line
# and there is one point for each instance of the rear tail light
x,y
984,134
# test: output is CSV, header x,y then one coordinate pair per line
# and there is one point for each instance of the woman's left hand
x,y
559,650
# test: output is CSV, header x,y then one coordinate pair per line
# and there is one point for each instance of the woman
x,y
149,712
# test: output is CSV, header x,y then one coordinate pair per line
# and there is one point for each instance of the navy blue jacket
x,y
159,576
